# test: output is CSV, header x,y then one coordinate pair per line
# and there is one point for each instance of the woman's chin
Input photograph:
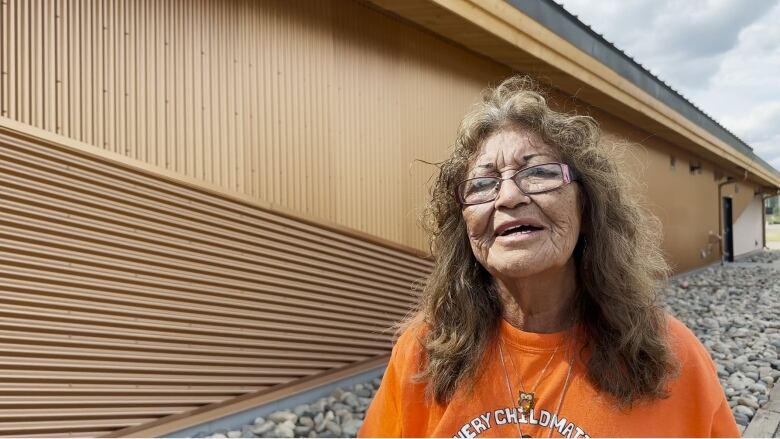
x,y
519,263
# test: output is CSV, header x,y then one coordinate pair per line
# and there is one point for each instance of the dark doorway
x,y
728,235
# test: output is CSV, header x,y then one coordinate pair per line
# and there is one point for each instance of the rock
x,y
218,436
306,421
234,434
319,406
351,427
759,388
376,382
721,347
338,393
247,432
302,430
301,410
343,416
336,406
262,429
333,428
364,402
365,393
282,416
259,420
283,431
741,419
348,399
319,418
748,402
741,409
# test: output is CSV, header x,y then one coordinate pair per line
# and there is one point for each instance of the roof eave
x,y
506,34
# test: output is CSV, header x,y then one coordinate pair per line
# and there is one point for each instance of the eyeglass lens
x,y
533,180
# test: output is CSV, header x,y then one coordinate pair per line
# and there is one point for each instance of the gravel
x,y
734,311
765,257
730,309
339,414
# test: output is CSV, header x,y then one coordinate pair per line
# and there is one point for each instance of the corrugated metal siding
x,y
317,106
127,297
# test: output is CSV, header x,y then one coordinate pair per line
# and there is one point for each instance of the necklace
x,y
526,400
520,399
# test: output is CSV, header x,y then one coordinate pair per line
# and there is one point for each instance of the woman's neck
x,y
541,303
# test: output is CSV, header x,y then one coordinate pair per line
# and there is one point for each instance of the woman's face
x,y
555,213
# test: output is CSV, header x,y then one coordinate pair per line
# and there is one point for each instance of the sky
x,y
722,55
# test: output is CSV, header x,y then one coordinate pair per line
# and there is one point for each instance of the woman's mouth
x,y
519,233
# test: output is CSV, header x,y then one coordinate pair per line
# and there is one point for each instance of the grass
x,y
773,235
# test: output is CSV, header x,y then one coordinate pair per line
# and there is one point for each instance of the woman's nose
x,y
509,195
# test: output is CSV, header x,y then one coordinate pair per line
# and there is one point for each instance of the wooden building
x,y
215,202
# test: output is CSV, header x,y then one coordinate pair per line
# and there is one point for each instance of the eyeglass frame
x,y
569,175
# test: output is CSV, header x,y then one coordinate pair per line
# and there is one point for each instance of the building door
x,y
728,235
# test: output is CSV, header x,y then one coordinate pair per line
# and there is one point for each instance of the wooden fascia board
x,y
499,31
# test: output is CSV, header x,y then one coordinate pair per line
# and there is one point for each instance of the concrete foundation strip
x,y
767,419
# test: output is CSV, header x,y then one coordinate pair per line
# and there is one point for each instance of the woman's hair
x,y
618,269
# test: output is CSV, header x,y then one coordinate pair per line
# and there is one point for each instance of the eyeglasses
x,y
532,180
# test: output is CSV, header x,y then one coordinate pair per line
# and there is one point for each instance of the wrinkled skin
x,y
539,273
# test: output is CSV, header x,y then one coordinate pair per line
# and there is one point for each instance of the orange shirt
x,y
697,405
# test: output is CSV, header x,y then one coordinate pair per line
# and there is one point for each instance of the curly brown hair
x,y
618,271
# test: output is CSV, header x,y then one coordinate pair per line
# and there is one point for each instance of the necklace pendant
x,y
526,402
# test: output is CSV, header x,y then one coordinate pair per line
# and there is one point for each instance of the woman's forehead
x,y
512,147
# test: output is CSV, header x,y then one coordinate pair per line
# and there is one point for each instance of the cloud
x,y
760,128
722,55
683,40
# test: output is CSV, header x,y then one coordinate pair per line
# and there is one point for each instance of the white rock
x,y
351,427
283,431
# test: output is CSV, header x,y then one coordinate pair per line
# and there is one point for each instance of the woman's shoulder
x,y
411,338
408,355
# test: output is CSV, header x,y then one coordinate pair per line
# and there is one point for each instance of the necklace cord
x,y
570,352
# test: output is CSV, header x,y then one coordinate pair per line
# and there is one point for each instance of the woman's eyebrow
x,y
526,158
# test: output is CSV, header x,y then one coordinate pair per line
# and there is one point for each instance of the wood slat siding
x,y
320,107
128,297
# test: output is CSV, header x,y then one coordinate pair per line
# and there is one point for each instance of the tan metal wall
x,y
127,296
316,106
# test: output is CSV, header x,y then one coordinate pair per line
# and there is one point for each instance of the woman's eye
x,y
543,172
481,185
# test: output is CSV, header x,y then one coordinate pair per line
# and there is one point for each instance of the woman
x,y
541,318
